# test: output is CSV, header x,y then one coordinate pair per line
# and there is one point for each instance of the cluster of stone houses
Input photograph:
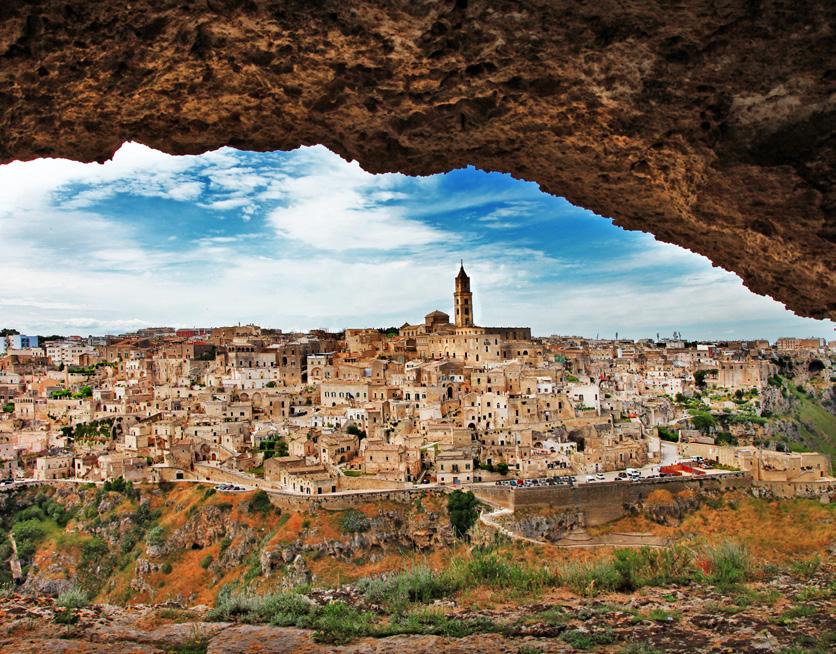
x,y
437,401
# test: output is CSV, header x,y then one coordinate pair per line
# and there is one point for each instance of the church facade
x,y
438,338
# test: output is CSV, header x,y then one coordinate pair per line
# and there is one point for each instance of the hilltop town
x,y
436,402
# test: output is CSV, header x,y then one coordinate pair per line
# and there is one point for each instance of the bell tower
x,y
463,299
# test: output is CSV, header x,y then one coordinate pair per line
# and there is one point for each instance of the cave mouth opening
x,y
284,238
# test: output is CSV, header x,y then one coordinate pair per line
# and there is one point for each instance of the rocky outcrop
x,y
708,124
206,525
544,526
666,508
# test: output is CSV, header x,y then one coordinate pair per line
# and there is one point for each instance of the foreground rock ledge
x,y
708,123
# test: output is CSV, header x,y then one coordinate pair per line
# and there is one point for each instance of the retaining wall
x,y
603,502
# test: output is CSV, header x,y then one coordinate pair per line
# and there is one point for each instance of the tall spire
x,y
463,299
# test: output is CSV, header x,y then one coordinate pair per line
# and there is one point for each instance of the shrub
x,y
581,639
652,567
590,578
206,561
166,568
806,567
668,435
155,536
65,616
418,585
73,598
703,421
28,531
354,521
338,623
463,508
729,564
260,502
281,609
488,569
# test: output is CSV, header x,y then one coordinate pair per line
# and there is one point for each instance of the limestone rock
x,y
706,123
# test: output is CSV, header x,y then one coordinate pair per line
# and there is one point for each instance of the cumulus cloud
x,y
334,205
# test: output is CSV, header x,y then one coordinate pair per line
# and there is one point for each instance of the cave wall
x,y
706,122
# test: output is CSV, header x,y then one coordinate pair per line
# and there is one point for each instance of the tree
x,y
705,422
463,508
502,468
354,430
700,375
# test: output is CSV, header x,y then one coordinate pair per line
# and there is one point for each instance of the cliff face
x,y
187,542
706,123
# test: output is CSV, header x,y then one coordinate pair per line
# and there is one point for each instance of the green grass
x,y
580,639
806,567
418,585
794,613
629,569
72,598
730,565
661,615
822,436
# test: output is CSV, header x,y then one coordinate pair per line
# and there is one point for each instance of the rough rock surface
x,y
708,123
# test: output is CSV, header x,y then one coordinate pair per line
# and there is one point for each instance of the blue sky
x,y
304,239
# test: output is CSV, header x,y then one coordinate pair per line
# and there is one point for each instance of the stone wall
x,y
603,502
822,490
370,483
340,501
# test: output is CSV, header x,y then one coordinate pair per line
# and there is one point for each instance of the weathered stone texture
x,y
708,123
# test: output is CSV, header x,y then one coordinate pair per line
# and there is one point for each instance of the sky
x,y
304,239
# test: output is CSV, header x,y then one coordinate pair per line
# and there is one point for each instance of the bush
x,y
589,579
33,512
463,508
281,609
155,536
260,502
703,421
339,623
419,585
354,521
206,561
30,531
581,639
73,598
65,617
729,564
488,569
166,569
725,438
668,435
629,569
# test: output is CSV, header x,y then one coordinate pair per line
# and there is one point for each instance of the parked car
x,y
600,476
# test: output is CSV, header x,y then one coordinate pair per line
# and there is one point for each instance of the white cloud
x,y
332,205
353,249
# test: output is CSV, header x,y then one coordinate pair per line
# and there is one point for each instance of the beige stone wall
x,y
604,502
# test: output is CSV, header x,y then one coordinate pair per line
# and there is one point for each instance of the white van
x,y
632,473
